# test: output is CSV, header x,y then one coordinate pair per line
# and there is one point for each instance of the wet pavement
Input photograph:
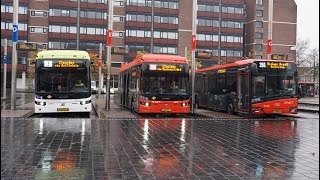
x,y
69,146
170,148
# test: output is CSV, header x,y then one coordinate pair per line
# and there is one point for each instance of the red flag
x,y
269,47
194,42
109,39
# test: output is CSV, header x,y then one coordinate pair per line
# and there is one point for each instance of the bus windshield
x,y
164,83
72,81
273,84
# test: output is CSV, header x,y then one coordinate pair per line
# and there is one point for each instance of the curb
x,y
28,114
309,110
98,111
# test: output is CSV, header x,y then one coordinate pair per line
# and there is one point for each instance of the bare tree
x,y
313,61
301,51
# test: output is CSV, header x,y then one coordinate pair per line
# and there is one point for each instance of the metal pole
x,y
14,53
152,25
186,52
219,46
193,61
78,25
270,23
5,59
99,75
314,69
110,27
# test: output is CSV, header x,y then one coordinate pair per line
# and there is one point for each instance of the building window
x,y
74,13
259,2
118,18
258,47
39,13
42,30
118,3
118,34
42,46
259,24
9,9
259,35
259,13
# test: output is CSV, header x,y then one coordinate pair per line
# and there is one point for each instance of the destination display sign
x,y
203,54
279,57
164,67
273,65
62,64
119,50
221,70
27,46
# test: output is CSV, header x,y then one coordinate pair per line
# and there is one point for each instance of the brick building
x,y
284,28
53,25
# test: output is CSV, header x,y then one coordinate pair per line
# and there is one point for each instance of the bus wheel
x,y
131,107
230,108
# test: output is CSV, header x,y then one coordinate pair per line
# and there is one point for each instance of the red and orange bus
x,y
253,86
154,83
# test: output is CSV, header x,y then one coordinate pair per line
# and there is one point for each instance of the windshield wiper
x,y
77,91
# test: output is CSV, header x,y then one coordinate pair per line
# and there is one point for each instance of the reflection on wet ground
x,y
147,148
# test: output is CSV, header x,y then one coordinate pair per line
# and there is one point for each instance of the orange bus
x,y
252,86
154,83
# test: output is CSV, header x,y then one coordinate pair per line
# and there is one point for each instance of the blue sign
x,y
4,59
15,33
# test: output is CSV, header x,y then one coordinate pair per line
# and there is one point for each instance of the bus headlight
x,y
293,110
257,109
40,103
85,102
184,104
255,100
145,104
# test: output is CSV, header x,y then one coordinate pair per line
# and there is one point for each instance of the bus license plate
x,y
277,111
62,109
166,110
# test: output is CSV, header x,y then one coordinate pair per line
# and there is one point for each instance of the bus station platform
x,y
21,111
115,111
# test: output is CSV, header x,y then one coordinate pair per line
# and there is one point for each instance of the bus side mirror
x,y
254,69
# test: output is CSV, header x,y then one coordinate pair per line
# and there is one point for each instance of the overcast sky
x,y
308,21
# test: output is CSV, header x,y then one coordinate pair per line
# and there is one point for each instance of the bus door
x,y
204,92
243,91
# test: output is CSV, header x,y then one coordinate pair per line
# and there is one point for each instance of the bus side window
x,y
231,83
212,81
221,83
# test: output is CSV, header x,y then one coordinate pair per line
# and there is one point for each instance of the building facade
x,y
284,29
226,29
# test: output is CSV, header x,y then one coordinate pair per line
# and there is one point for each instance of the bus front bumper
x,y
59,107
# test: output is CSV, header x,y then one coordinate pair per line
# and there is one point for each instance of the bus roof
x,y
238,63
58,54
154,58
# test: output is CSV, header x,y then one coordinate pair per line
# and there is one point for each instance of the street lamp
x,y
78,25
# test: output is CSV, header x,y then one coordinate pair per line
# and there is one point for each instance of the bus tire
x,y
230,108
131,106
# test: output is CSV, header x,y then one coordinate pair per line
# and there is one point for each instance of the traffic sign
x,y
4,59
15,33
